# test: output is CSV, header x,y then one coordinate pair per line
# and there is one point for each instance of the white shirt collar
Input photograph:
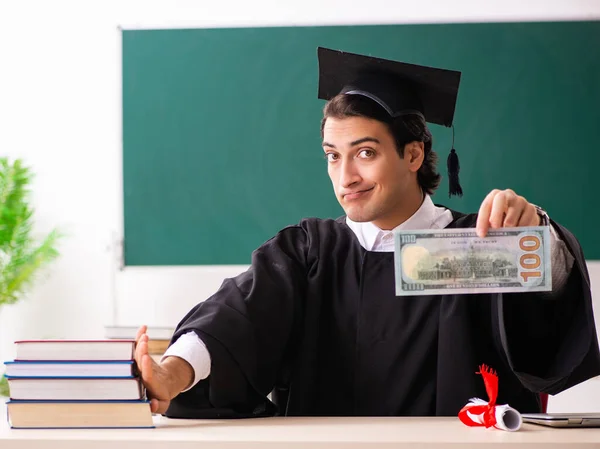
x,y
428,216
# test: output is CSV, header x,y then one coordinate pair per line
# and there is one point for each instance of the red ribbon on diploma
x,y
484,412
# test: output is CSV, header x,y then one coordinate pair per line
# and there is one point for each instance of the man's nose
x,y
349,174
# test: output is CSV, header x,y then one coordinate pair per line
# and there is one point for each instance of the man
x,y
315,319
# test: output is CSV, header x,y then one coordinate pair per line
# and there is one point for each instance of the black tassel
x,y
453,170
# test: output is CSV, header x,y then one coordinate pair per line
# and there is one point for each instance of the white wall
x,y
59,110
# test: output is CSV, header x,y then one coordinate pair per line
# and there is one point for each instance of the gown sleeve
x,y
550,341
248,326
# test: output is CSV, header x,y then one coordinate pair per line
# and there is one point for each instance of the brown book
x,y
32,415
158,347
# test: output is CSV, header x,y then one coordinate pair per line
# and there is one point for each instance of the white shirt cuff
x,y
192,349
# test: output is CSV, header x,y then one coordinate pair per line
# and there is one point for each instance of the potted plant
x,y
21,254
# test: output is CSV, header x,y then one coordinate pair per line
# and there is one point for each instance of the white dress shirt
x,y
428,216
191,348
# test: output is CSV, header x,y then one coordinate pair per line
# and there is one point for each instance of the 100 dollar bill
x,y
457,261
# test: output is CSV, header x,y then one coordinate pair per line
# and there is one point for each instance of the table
x,y
293,433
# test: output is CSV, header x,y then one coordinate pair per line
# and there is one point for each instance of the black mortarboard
x,y
398,87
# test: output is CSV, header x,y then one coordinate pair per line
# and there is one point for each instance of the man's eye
x,y
367,153
331,157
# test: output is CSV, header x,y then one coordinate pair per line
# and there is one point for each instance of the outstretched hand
x,y
157,378
505,209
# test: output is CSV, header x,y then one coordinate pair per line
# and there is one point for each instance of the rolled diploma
x,y
507,418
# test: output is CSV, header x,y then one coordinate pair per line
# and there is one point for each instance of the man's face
x,y
368,175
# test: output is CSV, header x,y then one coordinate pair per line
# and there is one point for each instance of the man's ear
x,y
414,153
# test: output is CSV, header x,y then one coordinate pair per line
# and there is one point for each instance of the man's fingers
x,y
141,331
159,407
483,217
499,208
138,337
141,348
516,208
504,209
150,373
529,217
146,369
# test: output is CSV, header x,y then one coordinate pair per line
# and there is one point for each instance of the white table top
x,y
266,433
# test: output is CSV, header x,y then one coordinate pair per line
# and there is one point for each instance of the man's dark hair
x,y
404,129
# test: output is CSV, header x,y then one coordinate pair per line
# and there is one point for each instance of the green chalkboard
x,y
221,144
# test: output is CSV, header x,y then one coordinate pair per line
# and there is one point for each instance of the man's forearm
x,y
180,375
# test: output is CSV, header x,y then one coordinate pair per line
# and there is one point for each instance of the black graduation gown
x,y
316,322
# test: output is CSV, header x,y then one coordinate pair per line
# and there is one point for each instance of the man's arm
x,y
505,209
243,330
164,380
192,350
549,339
562,261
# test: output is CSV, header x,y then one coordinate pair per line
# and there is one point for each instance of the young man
x,y
315,319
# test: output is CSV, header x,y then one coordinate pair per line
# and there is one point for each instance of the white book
x,y
153,332
69,369
71,350
75,389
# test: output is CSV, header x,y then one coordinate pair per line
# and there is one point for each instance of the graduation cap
x,y
398,87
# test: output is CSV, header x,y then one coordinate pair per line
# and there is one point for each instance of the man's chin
x,y
359,216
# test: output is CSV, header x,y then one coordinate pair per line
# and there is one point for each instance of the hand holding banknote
x,y
505,209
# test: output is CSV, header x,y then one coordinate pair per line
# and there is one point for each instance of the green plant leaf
x,y
22,256
4,387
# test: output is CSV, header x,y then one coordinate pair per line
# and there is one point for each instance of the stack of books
x,y
76,384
